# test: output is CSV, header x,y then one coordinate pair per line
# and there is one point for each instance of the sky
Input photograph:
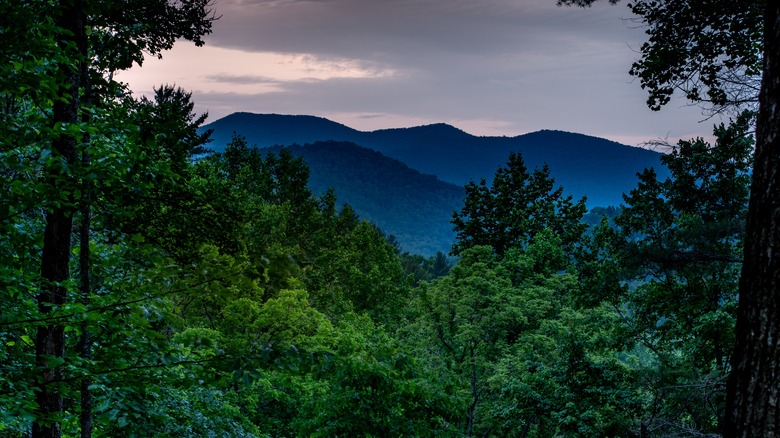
x,y
497,67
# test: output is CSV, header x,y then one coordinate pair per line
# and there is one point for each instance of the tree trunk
x,y
85,342
55,258
85,265
753,397
50,338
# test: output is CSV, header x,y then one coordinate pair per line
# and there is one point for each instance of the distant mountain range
x,y
588,166
409,180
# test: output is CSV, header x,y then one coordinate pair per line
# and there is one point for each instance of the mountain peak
x,y
264,130
433,130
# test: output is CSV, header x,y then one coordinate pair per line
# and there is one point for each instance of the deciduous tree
x,y
743,39
671,271
80,39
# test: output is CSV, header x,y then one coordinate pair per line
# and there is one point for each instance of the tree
x,y
670,268
516,206
83,41
710,51
506,329
169,129
162,199
421,268
754,28
753,387
469,312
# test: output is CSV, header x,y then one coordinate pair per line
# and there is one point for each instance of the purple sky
x,y
498,67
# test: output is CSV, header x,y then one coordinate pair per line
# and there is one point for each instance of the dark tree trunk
x,y
753,398
85,342
55,259
85,267
50,338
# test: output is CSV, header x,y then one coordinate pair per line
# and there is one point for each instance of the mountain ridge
x,y
409,181
600,169
415,208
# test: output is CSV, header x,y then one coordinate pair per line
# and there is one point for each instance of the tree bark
x,y
50,338
85,268
55,258
85,342
753,397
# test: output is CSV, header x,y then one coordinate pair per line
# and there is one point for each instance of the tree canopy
x,y
709,51
517,205
716,51
149,289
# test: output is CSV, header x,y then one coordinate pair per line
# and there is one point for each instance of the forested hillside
x,y
587,166
414,208
147,293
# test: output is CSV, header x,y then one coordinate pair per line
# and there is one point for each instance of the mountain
x,y
588,166
266,130
408,181
413,207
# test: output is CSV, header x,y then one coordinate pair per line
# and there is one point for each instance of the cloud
x,y
234,70
401,31
241,79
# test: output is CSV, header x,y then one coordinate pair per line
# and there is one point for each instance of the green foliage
x,y
516,206
66,137
671,269
711,51
169,130
223,297
362,273
375,388
563,380
195,411
689,235
529,362
422,268
119,41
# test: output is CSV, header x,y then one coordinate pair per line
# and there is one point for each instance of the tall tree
x,y
754,389
670,267
514,208
92,38
55,257
742,31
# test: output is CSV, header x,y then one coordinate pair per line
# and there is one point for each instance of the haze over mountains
x,y
396,188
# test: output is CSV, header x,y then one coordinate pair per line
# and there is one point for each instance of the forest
x,y
148,288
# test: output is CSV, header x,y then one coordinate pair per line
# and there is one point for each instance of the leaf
x,y
54,362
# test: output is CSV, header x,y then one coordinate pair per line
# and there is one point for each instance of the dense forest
x,y
147,293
